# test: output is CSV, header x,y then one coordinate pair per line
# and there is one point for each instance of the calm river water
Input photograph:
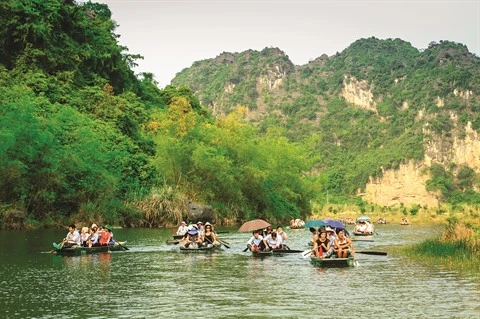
x,y
155,280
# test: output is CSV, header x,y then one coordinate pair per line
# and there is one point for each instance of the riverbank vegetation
x,y
86,140
457,248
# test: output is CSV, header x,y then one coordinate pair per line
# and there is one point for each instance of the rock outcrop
x,y
405,185
359,94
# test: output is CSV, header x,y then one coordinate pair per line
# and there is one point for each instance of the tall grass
x,y
164,206
457,248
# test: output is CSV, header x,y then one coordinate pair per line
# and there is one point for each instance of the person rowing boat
x,y
72,238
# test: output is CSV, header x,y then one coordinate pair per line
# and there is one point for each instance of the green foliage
x,y
454,189
239,172
71,113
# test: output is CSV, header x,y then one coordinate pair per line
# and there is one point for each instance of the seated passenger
x,y
273,241
331,237
368,228
343,245
192,240
282,236
322,245
93,239
267,231
106,237
72,238
200,228
360,227
84,234
182,229
209,238
256,243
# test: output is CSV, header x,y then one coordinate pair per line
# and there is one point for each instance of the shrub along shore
x,y
457,248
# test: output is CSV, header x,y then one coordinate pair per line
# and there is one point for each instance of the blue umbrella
x,y
315,223
334,223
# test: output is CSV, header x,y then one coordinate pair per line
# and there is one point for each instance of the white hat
x,y
328,228
184,222
208,224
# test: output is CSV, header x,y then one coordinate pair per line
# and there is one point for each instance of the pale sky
x,y
172,34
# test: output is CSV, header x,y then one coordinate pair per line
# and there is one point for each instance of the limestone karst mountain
x,y
377,115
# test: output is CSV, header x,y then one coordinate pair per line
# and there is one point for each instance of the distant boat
x,y
362,234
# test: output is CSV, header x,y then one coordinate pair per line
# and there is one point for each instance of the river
x,y
155,280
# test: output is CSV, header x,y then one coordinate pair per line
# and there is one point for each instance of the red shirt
x,y
105,238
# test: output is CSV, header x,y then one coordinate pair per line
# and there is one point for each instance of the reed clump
x,y
163,206
457,248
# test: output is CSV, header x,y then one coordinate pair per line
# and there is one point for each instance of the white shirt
x,y
282,236
255,241
274,243
73,237
182,230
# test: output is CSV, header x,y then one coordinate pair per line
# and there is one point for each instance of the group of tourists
x,y
268,239
91,236
197,235
328,243
364,227
297,223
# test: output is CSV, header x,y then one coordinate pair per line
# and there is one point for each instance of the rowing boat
x,y
274,252
362,234
203,249
79,250
332,262
173,241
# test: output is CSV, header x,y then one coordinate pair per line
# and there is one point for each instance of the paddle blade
x,y
306,253
224,243
378,253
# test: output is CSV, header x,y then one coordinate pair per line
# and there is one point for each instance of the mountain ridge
x,y
415,98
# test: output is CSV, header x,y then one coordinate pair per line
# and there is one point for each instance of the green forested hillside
x,y
84,139
352,143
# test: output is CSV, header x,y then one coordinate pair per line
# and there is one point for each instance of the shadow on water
x,y
155,280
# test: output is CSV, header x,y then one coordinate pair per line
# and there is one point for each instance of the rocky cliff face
x,y
405,185
461,151
359,94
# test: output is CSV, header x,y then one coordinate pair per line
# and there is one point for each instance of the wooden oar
x,y
124,247
224,243
370,252
307,253
287,251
